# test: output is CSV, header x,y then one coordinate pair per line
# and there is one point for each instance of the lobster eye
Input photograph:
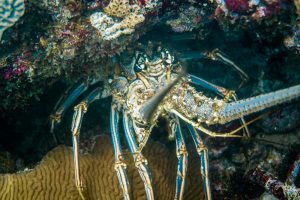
x,y
139,68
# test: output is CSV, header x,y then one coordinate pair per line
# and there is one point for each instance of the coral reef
x,y
120,17
229,159
126,17
284,191
121,8
68,40
53,177
255,10
188,20
111,29
10,12
64,45
293,41
267,18
19,79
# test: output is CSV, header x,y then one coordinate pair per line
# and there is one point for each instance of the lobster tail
x,y
237,109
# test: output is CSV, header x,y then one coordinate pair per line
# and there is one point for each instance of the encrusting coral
x,y
53,178
10,12
121,8
118,18
188,20
110,28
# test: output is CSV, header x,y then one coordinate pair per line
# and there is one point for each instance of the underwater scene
x,y
149,99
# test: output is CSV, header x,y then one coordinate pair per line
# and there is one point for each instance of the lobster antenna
x,y
151,105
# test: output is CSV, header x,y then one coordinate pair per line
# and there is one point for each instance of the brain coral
x,y
10,12
53,177
297,4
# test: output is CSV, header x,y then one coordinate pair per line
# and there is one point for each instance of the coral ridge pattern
x,y
53,178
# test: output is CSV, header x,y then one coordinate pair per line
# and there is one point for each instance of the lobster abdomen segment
x,y
237,109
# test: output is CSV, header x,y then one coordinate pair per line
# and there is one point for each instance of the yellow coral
x,y
121,8
132,20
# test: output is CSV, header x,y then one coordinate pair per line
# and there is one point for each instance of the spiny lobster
x,y
153,86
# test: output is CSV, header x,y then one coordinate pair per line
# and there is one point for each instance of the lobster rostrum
x,y
152,86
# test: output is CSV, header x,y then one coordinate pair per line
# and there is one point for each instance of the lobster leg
x,y
79,111
120,166
65,102
140,162
203,153
223,92
182,156
294,171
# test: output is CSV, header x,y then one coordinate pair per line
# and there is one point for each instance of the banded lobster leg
x,y
69,97
203,153
182,156
79,111
223,92
140,162
120,166
65,101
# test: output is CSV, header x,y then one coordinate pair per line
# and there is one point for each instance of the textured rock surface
x,y
53,177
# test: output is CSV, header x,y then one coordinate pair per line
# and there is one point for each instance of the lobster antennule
x,y
235,110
